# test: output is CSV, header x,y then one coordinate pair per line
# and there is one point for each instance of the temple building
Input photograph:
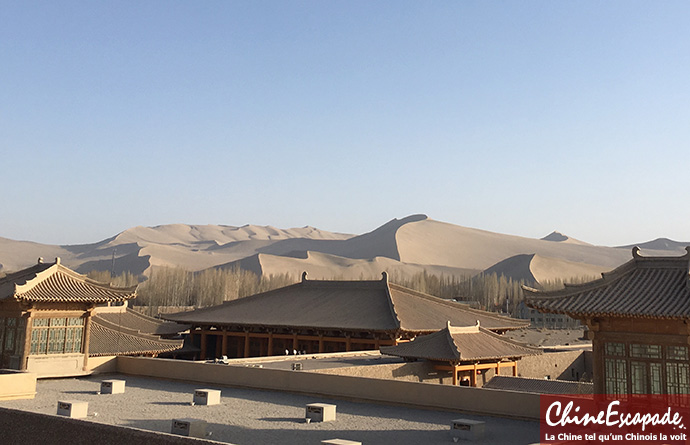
x,y
638,318
53,319
316,316
464,351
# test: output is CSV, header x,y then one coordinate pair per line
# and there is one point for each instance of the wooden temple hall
x,y
638,318
54,321
316,316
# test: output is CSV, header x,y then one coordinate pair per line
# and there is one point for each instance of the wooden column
x,y
87,337
224,348
26,350
203,345
515,369
246,344
320,343
455,375
348,343
473,380
498,368
270,343
295,342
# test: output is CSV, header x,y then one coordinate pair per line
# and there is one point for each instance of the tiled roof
x,y
142,323
460,344
352,305
56,283
648,287
539,386
110,339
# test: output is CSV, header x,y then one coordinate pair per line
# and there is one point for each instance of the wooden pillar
x,y
203,345
514,369
295,342
246,344
455,375
348,343
270,343
377,343
87,337
224,348
26,349
320,343
473,379
498,368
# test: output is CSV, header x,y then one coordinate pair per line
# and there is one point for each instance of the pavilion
x,y
638,318
53,319
465,351
316,316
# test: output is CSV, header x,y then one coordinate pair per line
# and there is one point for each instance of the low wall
x,y
17,385
562,365
56,365
100,365
421,371
26,427
472,400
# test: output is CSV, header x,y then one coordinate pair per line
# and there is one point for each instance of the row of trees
x,y
174,286
490,291
178,287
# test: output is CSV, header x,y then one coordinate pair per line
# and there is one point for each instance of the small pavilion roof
x,y
539,386
53,282
646,287
348,305
460,344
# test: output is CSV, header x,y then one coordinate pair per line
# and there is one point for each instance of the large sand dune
x,y
536,268
323,266
401,246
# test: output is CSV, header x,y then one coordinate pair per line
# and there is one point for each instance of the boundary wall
x,y
478,401
24,427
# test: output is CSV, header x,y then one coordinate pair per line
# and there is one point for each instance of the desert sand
x,y
404,246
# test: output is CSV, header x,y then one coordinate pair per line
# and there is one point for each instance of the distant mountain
x,y
401,246
661,244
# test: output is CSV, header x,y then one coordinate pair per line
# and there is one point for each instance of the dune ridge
x,y
404,246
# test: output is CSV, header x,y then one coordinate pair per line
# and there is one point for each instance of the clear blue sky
x,y
520,117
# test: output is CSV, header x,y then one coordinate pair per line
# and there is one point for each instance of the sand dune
x,y
558,237
536,268
322,265
661,244
404,246
433,242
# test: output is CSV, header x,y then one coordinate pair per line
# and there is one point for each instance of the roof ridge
x,y
389,299
448,303
451,341
38,278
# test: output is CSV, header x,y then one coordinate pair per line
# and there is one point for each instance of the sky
x,y
518,117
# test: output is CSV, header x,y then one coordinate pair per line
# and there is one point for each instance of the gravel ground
x,y
262,417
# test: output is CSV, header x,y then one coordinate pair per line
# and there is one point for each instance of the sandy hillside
x,y
540,269
322,266
405,246
434,242
560,238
